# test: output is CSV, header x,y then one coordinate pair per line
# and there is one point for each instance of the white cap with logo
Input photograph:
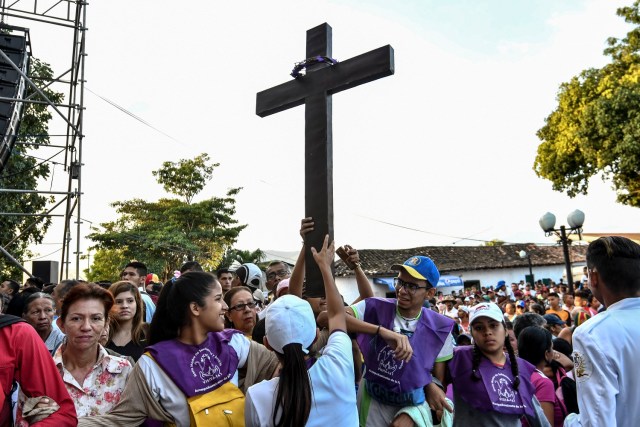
x,y
486,309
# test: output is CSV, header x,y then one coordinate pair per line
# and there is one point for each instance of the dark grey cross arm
x,y
345,75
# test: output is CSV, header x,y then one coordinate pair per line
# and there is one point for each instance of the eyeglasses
x,y
279,273
409,287
242,306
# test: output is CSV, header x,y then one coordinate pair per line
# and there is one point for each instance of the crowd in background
x,y
531,354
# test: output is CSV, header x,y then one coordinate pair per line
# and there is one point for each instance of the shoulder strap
x,y
7,319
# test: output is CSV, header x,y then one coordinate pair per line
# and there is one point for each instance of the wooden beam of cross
x,y
314,90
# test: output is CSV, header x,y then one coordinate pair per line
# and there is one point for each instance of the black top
x,y
129,349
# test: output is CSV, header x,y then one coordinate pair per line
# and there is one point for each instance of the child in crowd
x,y
311,392
489,388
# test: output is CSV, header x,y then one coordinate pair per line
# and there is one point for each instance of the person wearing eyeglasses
x,y
276,272
242,313
396,389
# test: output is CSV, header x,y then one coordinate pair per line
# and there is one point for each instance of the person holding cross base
x,y
397,390
606,348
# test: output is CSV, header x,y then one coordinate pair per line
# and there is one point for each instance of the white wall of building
x,y
349,288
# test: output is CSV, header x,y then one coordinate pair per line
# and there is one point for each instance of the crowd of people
x,y
247,347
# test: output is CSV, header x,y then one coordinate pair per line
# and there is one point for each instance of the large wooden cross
x,y
314,90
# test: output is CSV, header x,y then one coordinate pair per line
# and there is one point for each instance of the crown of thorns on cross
x,y
299,66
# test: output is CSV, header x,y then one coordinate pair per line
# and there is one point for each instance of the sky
x,y
440,153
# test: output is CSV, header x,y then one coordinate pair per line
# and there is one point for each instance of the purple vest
x,y
198,369
427,341
494,390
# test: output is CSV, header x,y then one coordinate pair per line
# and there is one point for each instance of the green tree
x,y
595,128
166,233
23,171
106,265
241,256
187,177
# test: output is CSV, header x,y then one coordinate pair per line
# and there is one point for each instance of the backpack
x,y
566,392
223,406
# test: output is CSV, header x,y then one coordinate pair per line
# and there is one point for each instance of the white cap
x,y
486,309
290,320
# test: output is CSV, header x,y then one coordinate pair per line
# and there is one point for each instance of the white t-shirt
x,y
165,391
453,313
333,388
400,324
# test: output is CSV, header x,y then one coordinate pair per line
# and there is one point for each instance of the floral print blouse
x,y
102,387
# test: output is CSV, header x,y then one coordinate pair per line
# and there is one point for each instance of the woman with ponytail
x,y
191,355
491,388
309,392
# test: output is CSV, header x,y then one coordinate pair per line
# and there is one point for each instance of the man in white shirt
x,y
606,347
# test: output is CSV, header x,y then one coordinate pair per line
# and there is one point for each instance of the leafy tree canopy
x,y
187,177
106,265
241,257
596,125
166,233
23,172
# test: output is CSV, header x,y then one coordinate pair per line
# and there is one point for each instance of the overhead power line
x,y
129,113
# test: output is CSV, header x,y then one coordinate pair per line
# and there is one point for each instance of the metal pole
x,y
33,224
567,261
13,260
530,267
81,56
19,191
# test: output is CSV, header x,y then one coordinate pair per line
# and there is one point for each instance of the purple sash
x,y
198,369
494,391
382,367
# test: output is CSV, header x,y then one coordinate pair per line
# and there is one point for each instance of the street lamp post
x,y
575,220
527,255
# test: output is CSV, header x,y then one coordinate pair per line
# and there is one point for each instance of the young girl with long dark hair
x,y
308,392
535,346
491,388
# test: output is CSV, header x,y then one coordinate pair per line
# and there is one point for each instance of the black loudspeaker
x,y
12,85
46,270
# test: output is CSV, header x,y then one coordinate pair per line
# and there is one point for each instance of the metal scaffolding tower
x,y
69,19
